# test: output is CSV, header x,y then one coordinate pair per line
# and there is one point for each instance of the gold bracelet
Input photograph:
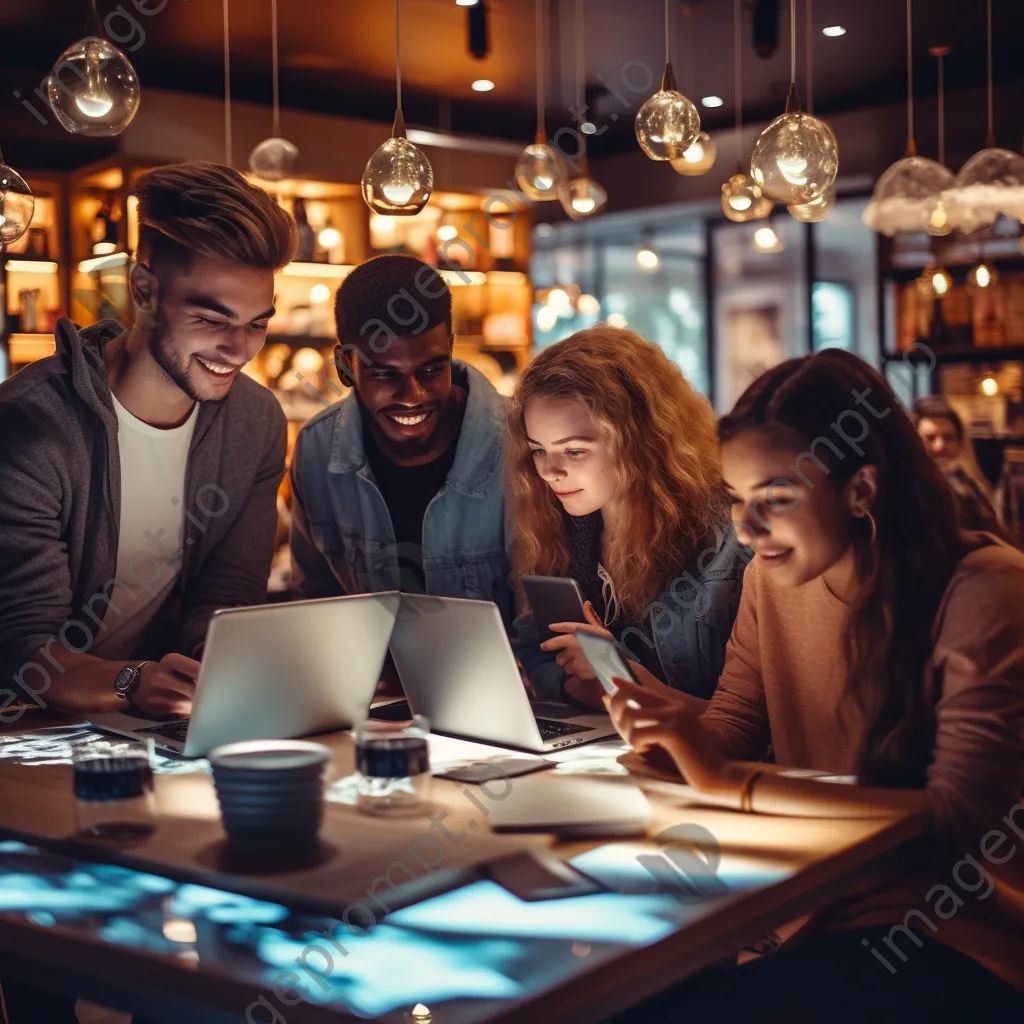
x,y
747,793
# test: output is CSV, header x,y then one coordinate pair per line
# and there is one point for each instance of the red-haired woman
x,y
616,483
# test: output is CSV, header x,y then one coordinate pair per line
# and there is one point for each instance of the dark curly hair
x,y
395,294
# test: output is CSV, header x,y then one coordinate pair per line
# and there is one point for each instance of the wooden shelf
x,y
26,348
960,354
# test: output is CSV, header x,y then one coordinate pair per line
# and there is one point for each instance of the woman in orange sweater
x,y
873,639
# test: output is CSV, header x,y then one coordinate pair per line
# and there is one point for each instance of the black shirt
x,y
583,534
407,491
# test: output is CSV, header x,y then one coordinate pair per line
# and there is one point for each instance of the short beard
x,y
165,357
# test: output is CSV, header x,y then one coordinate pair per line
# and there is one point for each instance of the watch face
x,y
124,680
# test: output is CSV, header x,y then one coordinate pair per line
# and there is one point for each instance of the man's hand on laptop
x,y
167,686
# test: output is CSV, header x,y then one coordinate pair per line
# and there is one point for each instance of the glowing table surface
x,y
168,934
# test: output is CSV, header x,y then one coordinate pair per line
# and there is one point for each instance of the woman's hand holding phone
x,y
570,656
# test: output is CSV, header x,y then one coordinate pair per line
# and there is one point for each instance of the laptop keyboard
x,y
172,730
550,729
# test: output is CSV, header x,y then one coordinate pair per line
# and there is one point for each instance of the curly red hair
x,y
663,431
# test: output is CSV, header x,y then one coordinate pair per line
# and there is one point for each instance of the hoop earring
x,y
874,527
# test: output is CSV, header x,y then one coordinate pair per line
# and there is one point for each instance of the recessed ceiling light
x,y
588,128
483,85
712,101
466,3
833,31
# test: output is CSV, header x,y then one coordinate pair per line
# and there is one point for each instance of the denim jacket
x,y
343,541
690,622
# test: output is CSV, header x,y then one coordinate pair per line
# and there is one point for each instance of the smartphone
x,y
496,768
605,659
553,599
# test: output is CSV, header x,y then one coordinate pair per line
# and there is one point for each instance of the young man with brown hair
x,y
139,471
138,467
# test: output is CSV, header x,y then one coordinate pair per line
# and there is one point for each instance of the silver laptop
x,y
278,671
458,669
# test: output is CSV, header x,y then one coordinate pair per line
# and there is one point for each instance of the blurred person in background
x,y
942,431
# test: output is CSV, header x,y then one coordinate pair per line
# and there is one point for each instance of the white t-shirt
x,y
151,534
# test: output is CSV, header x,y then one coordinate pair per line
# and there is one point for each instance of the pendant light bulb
x,y
742,199
982,276
699,157
17,204
992,181
398,179
909,194
93,89
796,158
273,158
581,197
540,172
668,123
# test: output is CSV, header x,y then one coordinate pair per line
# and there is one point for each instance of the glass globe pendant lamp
x,y
540,171
398,179
93,89
699,158
273,158
992,181
581,197
909,194
796,158
17,204
743,200
668,123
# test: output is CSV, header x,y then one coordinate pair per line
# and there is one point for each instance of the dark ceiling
x,y
337,56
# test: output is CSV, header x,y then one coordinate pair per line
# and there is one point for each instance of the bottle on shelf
x,y
307,237
103,231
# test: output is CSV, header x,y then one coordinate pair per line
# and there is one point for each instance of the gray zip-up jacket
x,y
60,500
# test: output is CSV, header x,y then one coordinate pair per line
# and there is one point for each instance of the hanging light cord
x,y
737,70
991,139
792,42
541,51
277,98
807,56
668,29
95,18
911,145
227,87
398,58
942,115
579,72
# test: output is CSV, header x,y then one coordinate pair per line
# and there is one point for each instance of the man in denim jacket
x,y
399,485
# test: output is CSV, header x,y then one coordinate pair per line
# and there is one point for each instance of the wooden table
x,y
454,942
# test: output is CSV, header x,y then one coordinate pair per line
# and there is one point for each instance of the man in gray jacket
x,y
139,469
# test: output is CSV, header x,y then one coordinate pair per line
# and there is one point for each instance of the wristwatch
x,y
127,680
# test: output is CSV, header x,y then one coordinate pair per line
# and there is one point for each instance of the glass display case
x,y
33,280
